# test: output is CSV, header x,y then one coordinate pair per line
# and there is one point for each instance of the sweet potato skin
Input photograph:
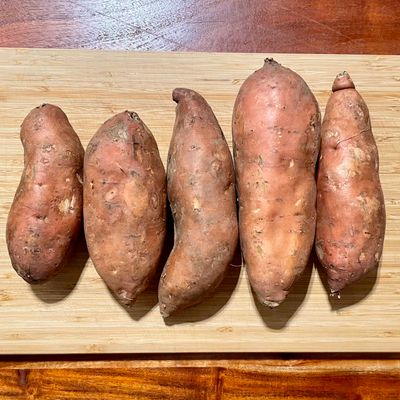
x,y
201,191
276,134
46,214
350,203
124,205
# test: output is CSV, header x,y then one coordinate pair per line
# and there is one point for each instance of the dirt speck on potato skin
x,y
350,205
124,205
201,191
46,214
276,134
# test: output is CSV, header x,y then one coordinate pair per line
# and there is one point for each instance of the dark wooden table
x,y
359,26
309,26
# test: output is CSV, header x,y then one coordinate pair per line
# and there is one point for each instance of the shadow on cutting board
x,y
145,302
350,295
216,302
279,317
62,285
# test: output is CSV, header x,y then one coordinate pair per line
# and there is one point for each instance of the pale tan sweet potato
x,y
350,204
201,191
124,205
45,217
276,134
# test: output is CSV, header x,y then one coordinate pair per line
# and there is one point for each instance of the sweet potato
x,y
124,205
45,217
201,191
350,204
276,134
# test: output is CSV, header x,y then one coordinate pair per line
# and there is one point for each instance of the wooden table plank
x,y
205,379
309,26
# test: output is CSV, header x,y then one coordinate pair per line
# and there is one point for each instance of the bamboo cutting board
x,y
75,313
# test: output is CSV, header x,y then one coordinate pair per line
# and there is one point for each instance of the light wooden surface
x,y
75,313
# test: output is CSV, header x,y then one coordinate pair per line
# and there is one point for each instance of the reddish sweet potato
x,y
350,204
201,190
124,205
45,217
276,133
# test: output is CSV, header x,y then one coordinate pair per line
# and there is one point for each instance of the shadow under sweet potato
x,y
351,294
278,318
216,302
64,282
145,302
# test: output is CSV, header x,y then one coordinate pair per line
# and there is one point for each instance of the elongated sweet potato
x,y
201,190
124,205
276,133
350,204
45,217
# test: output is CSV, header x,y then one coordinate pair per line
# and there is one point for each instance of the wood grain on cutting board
x,y
75,313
